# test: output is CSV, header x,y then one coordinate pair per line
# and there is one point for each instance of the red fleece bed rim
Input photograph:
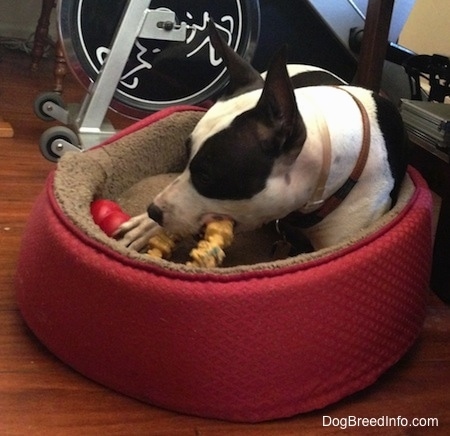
x,y
247,409
151,119
420,190
242,347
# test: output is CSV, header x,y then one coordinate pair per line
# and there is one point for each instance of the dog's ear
x,y
243,77
278,108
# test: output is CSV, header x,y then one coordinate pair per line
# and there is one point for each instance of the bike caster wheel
x,y
47,104
56,141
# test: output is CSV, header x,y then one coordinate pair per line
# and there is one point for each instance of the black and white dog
x,y
282,147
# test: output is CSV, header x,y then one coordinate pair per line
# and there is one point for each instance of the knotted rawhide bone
x,y
161,245
209,251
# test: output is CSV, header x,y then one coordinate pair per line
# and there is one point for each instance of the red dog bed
x,y
255,340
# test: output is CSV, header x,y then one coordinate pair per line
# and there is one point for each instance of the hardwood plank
x,y
40,395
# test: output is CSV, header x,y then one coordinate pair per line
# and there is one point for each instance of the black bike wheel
x,y
158,74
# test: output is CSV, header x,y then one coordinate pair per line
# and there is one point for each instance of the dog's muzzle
x,y
156,214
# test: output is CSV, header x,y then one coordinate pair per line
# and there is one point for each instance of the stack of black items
x,y
428,123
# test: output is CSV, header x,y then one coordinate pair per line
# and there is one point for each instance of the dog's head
x,y
241,152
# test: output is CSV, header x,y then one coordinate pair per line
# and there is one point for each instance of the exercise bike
x,y
137,57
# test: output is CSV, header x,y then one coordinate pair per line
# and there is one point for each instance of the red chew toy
x,y
108,215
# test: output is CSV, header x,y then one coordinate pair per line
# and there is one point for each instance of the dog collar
x,y
305,220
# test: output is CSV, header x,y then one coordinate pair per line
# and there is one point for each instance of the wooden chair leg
x,y
40,40
374,44
41,34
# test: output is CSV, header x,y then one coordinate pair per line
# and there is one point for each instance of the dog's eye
x,y
203,178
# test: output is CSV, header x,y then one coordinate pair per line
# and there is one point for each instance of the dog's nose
x,y
155,213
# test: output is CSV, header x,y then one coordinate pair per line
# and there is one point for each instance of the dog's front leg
x,y
136,232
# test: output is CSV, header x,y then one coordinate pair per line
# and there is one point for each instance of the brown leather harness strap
x,y
302,220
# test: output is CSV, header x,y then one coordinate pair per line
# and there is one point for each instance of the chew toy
x,y
108,215
209,252
161,245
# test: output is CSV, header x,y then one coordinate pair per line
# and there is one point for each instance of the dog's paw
x,y
136,232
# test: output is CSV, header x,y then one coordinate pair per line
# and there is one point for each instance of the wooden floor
x,y
40,395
